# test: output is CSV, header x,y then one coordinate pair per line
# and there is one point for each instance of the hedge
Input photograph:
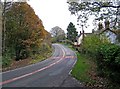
x,y
108,61
106,55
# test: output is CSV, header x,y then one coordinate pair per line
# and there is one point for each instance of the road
x,y
52,72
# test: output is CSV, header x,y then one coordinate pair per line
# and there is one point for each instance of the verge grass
x,y
81,69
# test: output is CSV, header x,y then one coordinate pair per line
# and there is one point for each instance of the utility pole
x,y
0,28
3,28
5,6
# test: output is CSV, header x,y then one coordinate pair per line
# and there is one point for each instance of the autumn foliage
x,y
25,32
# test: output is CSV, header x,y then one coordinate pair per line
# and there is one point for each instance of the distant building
x,y
80,38
111,35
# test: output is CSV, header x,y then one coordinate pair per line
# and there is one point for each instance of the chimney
x,y
80,32
107,23
83,34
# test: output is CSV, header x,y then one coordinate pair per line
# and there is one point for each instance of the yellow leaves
x,y
24,30
31,24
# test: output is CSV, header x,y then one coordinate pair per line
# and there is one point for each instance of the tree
x,y
57,34
101,11
71,32
24,30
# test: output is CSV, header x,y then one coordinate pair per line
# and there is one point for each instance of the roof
x,y
113,31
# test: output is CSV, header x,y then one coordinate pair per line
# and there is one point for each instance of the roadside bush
x,y
108,61
6,59
91,44
69,42
42,52
107,55
43,48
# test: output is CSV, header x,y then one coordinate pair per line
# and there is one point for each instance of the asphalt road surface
x,y
52,72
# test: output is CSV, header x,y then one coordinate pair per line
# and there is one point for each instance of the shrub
x,y
107,55
91,44
108,61
6,59
69,42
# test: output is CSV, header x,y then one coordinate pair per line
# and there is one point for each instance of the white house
x,y
111,35
80,38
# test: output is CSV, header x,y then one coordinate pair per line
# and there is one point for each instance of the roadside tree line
x,y
23,33
58,34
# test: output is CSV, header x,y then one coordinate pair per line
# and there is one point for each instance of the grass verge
x,y
85,70
81,69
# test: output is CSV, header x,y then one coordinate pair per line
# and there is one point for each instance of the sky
x,y
55,13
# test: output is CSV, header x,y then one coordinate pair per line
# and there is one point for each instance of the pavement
x,y
52,72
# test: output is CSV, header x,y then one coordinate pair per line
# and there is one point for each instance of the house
x,y
80,38
111,35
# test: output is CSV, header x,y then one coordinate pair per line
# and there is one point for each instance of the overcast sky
x,y
54,13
